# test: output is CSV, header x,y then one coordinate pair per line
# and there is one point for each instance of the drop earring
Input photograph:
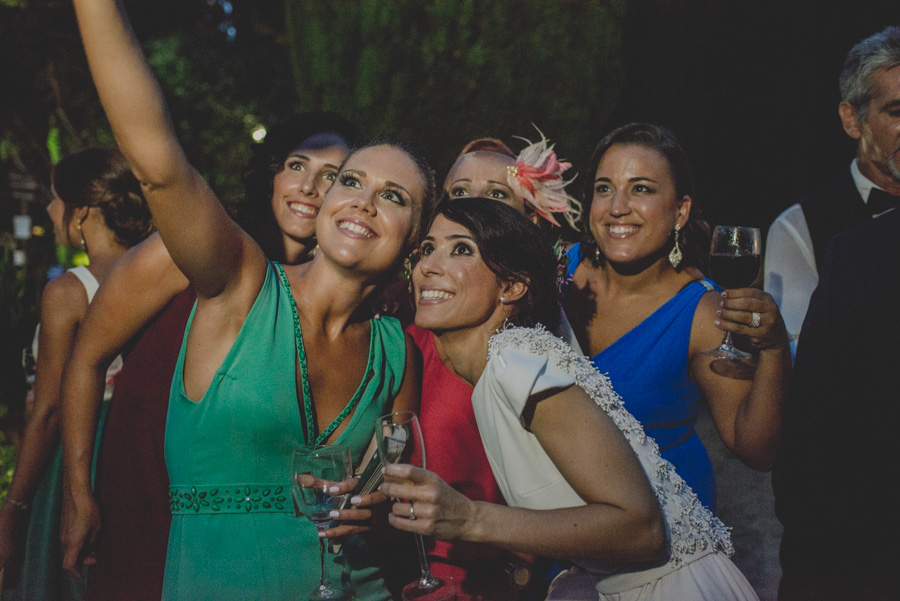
x,y
675,255
81,235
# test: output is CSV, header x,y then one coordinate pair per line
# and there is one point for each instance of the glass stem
x,y
322,581
427,580
726,341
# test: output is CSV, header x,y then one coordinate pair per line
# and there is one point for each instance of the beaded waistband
x,y
231,498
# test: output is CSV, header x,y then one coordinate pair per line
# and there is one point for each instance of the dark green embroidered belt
x,y
233,498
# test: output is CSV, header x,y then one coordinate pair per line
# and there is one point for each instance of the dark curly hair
x,y
515,250
253,212
694,238
102,178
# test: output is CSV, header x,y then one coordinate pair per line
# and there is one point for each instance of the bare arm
x,y
621,521
62,308
208,247
142,282
745,402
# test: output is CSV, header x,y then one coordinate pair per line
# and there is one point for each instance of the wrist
x,y
473,530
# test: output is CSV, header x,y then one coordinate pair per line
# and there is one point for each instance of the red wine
x,y
734,271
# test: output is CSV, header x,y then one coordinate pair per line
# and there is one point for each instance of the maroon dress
x,y
132,484
454,451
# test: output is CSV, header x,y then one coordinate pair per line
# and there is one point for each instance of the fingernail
x,y
717,322
719,313
334,489
321,534
724,294
382,470
355,500
335,514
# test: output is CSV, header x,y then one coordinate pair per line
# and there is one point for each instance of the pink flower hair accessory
x,y
536,176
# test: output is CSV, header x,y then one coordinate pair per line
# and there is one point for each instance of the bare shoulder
x,y
63,296
704,333
149,264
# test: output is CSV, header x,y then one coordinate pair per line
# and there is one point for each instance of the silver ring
x,y
754,322
412,512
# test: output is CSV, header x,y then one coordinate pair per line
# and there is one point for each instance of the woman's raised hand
x,y
752,313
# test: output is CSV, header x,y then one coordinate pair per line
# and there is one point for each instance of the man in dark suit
x,y
836,477
870,114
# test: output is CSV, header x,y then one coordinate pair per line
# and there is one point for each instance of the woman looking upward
x,y
581,478
142,311
257,373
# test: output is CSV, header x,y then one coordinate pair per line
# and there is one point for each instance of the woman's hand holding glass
x,y
360,517
322,481
752,313
440,510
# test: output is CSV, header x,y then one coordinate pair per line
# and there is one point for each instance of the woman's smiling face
x,y
454,288
298,188
634,208
367,217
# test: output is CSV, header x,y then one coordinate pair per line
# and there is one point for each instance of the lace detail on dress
x,y
692,527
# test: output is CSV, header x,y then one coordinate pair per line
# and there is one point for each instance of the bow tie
x,y
880,201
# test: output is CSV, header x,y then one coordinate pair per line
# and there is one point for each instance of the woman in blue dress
x,y
642,309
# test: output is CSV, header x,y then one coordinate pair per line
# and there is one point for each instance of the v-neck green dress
x,y
233,533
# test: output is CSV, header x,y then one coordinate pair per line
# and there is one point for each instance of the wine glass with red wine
x,y
734,262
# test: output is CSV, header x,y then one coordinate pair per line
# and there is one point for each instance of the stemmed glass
x,y
734,262
315,471
399,437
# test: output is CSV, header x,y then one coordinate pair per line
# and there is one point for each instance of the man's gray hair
x,y
879,51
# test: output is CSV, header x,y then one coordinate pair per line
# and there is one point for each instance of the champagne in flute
x,y
316,471
734,262
399,437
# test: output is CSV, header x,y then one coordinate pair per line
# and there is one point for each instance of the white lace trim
x,y
692,527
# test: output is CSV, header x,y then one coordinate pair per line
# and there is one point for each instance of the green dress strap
x,y
304,373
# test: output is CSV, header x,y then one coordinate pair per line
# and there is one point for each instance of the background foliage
x,y
441,73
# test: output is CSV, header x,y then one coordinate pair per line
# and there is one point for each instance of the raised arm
x,y
745,401
621,521
142,282
62,308
208,247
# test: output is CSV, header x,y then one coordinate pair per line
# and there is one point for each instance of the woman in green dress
x,y
274,357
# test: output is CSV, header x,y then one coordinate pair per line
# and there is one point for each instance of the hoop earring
x,y
675,255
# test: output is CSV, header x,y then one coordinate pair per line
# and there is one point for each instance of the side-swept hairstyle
x,y
516,250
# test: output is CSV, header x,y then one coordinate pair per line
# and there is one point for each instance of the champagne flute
x,y
315,471
734,262
399,437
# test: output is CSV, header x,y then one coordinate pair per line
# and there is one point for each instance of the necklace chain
x,y
304,375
